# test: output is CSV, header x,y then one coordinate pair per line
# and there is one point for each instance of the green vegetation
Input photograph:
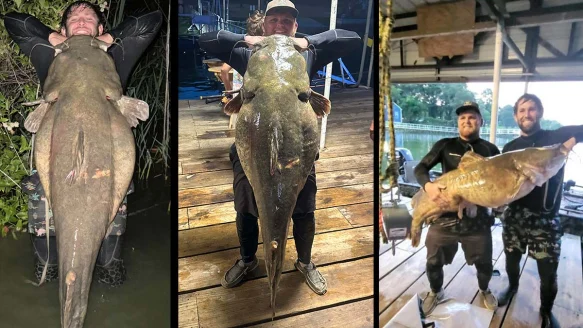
x,y
19,84
435,104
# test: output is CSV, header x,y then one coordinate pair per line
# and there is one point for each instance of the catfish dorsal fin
x,y
78,157
469,158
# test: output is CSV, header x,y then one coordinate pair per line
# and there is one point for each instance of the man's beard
x,y
533,128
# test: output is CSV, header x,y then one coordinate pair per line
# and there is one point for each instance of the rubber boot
x,y
39,245
109,267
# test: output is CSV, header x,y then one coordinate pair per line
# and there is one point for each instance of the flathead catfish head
x,y
84,154
276,139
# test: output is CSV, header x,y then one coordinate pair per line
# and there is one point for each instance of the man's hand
x,y
107,38
251,40
433,190
56,39
302,43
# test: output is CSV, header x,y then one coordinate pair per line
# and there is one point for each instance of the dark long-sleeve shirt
x,y
131,38
323,48
448,152
547,198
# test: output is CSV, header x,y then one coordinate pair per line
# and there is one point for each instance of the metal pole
x,y
227,9
496,91
365,42
200,7
526,85
258,4
370,65
333,9
224,14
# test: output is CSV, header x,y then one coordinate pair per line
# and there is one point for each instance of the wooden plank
x,y
183,219
205,215
388,261
359,214
497,285
249,303
524,309
401,278
421,286
224,236
328,197
357,314
187,311
205,179
322,165
205,195
325,180
346,177
207,270
344,163
206,165
457,278
570,277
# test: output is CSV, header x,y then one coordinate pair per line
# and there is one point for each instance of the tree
x,y
506,117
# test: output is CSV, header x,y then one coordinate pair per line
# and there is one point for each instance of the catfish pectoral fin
x,y
234,105
34,119
320,104
133,109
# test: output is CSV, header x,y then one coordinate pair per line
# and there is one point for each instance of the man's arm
x,y
331,45
131,38
229,47
564,133
428,162
32,38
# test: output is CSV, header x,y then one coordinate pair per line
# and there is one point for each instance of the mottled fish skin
x,y
490,182
277,141
84,154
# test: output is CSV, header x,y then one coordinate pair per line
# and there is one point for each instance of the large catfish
x,y
489,182
84,154
276,139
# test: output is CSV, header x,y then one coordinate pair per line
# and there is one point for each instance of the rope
x,y
385,25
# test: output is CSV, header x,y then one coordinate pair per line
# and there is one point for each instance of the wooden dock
x,y
403,275
343,245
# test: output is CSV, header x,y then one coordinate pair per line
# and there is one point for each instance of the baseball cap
x,y
468,105
282,4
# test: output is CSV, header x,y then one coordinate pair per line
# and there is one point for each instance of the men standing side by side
x,y
533,220
447,231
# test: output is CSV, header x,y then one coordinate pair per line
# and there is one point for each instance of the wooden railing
x,y
449,129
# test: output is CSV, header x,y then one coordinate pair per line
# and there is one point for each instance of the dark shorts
x,y
442,245
542,234
245,200
38,209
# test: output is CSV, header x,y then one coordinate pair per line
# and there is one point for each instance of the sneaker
x,y
237,272
431,300
490,300
506,295
549,320
314,278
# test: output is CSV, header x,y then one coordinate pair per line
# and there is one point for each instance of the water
x,y
420,143
144,300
